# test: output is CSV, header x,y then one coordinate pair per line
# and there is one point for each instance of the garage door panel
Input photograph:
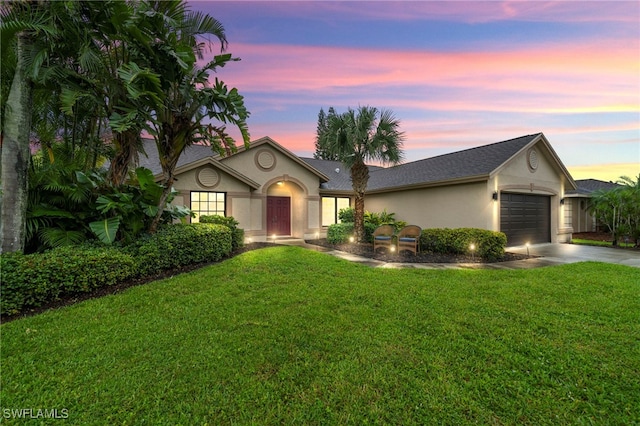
x,y
525,218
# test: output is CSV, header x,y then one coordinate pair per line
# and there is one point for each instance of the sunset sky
x,y
456,74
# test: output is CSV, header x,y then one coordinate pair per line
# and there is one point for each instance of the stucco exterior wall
x,y
454,206
279,175
472,204
582,219
238,193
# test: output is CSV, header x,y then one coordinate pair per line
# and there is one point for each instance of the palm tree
x,y
357,137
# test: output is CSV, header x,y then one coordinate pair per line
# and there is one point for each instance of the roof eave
x,y
217,164
540,138
421,185
267,140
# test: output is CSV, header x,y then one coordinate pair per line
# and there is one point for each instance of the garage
x,y
525,218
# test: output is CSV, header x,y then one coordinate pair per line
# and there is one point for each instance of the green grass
x,y
600,243
285,335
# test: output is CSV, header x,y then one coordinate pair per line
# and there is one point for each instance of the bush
x,y
347,215
371,222
179,245
489,245
31,280
237,234
339,233
384,218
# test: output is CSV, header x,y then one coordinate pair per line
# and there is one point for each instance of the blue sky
x,y
456,74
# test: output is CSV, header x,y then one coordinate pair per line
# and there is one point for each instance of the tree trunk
x,y
163,200
359,179
168,161
16,155
126,144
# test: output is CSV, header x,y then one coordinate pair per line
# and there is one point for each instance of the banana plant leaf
x,y
106,229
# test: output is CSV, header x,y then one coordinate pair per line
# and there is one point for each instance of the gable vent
x,y
208,177
265,160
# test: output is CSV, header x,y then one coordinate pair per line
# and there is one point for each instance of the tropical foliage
x,y
69,206
356,137
340,233
618,209
91,76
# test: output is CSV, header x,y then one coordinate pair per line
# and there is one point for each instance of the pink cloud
x,y
598,77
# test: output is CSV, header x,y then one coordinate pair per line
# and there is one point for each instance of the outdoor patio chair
x,y
409,238
383,237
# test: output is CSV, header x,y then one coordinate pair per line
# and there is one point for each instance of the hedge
x,y
29,281
34,279
237,234
179,245
489,245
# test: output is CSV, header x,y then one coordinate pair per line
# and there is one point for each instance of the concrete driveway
x,y
571,253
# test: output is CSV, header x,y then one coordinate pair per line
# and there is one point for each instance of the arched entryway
x,y
285,210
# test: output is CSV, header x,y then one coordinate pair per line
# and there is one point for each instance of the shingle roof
x,y
152,160
588,186
478,161
338,173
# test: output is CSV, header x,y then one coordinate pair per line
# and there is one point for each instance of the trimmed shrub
x,y
179,245
489,245
228,221
347,215
339,233
30,280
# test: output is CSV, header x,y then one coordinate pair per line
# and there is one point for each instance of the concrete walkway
x,y
547,255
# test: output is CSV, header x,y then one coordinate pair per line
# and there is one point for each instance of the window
x,y
330,208
568,212
207,203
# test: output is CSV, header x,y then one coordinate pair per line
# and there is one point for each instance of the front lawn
x,y
286,335
601,243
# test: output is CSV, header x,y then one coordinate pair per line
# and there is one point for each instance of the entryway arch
x,y
285,207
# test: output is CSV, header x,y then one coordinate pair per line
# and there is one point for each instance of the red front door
x,y
278,216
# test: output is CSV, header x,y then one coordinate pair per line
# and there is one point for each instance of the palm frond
x,y
57,237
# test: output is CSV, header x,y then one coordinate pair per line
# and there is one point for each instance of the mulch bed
x,y
366,250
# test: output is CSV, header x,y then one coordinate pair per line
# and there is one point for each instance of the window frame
x,y
207,212
335,207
